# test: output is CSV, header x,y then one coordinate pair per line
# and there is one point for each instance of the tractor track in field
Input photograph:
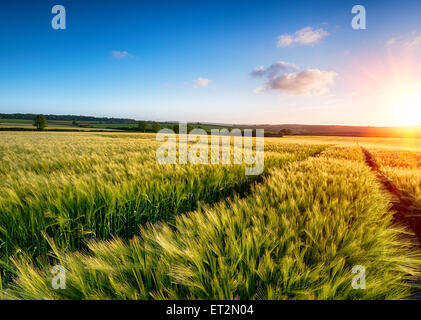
x,y
402,204
405,210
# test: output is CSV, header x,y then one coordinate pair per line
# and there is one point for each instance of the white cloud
x,y
259,90
391,41
285,40
120,54
414,42
273,69
307,82
258,71
305,36
201,82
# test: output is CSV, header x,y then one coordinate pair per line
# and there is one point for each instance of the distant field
x,y
337,130
15,123
125,227
86,125
51,124
393,143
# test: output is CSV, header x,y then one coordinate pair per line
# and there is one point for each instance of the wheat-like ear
x,y
55,252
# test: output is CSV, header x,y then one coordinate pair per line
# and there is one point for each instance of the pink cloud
x,y
305,36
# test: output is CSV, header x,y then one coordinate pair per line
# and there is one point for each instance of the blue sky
x,y
145,59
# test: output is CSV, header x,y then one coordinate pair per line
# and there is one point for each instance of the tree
x,y
143,125
156,126
285,132
74,123
190,127
40,122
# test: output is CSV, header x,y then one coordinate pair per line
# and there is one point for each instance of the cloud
x,y
391,41
414,42
305,36
306,82
273,69
120,54
201,82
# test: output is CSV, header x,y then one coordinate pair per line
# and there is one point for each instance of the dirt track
x,y
405,209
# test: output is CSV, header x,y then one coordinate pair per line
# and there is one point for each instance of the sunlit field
x,y
403,169
125,227
413,144
95,186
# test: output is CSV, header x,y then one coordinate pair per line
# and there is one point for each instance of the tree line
x,y
31,116
40,122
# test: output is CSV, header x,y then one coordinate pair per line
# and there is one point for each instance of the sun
x,y
405,106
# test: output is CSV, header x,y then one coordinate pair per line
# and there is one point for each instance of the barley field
x,y
403,169
125,227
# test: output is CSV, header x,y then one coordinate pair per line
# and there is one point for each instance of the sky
x,y
261,62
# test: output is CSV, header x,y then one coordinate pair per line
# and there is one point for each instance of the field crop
x,y
295,235
75,187
403,169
